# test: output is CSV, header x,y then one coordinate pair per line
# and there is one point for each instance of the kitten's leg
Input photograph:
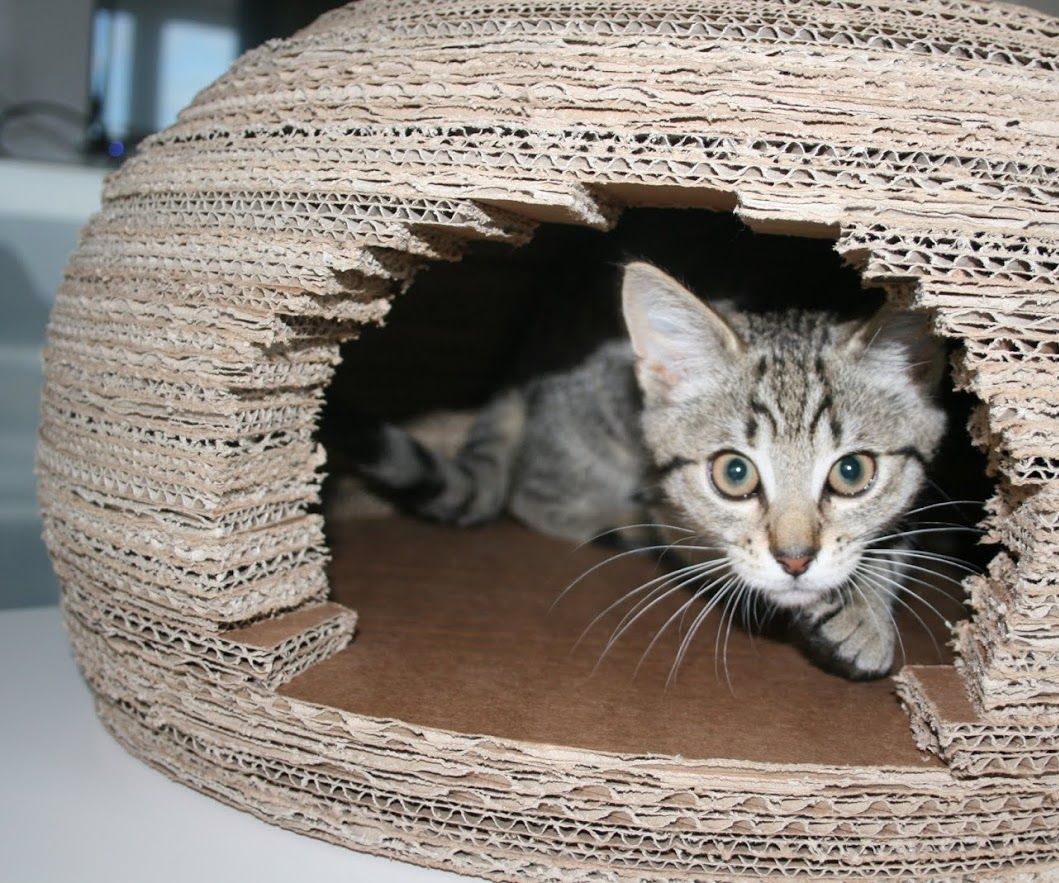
x,y
469,489
852,632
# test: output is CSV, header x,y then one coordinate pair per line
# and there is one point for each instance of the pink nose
x,y
795,564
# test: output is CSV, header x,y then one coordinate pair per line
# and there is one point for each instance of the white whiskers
x,y
643,606
663,547
698,593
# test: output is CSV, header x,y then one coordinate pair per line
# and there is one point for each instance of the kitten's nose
x,y
795,563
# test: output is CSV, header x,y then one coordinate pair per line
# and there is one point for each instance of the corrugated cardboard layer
x,y
526,799
199,323
947,723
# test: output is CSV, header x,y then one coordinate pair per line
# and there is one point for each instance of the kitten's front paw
x,y
853,640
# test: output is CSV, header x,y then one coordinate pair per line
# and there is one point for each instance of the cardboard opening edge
x,y
199,320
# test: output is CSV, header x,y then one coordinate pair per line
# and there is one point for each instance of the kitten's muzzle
x,y
795,562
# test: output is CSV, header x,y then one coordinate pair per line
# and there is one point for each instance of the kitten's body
x,y
581,466
626,436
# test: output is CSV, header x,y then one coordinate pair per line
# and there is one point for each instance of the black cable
x,y
53,109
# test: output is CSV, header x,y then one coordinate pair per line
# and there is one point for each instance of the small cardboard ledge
x,y
946,723
267,653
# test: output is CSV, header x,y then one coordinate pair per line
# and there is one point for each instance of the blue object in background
x,y
149,58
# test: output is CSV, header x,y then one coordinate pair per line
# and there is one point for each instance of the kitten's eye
x,y
851,474
734,475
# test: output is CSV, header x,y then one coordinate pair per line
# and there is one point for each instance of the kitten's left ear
x,y
901,341
674,334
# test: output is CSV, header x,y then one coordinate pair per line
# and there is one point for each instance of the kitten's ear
x,y
900,341
675,335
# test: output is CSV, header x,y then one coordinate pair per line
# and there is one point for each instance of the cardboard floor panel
x,y
457,631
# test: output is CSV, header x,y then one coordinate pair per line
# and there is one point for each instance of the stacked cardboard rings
x,y
198,326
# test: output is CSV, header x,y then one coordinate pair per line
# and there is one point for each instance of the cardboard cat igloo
x,y
198,326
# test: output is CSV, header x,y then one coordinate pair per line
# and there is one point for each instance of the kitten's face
x,y
788,440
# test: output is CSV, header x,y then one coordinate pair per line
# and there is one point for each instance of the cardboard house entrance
x,y
199,325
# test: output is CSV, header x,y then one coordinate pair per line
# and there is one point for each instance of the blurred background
x,y
81,82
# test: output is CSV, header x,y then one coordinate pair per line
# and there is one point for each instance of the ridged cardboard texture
x,y
198,326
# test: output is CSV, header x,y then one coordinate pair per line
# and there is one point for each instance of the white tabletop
x,y
74,806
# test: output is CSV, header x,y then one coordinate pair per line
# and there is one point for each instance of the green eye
x,y
734,475
851,474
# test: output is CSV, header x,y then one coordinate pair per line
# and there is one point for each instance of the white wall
x,y
7,54
42,208
44,50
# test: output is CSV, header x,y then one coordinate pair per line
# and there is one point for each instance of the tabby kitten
x,y
789,443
